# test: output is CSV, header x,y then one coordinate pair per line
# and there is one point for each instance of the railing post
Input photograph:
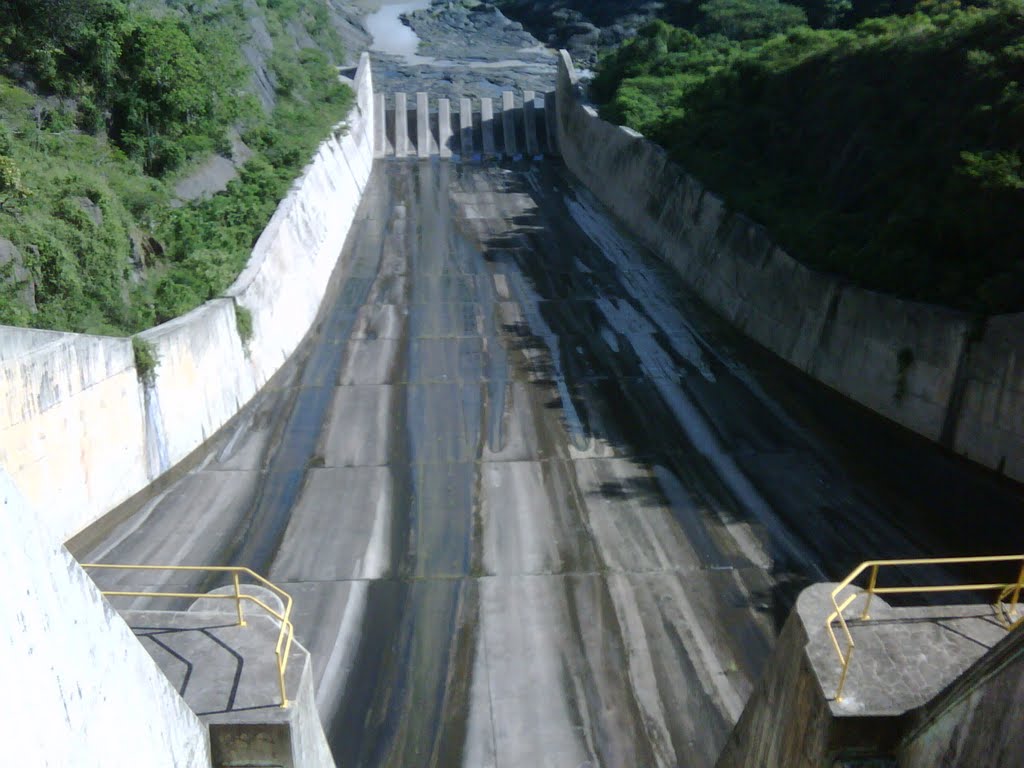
x,y
1017,589
842,674
280,680
871,592
238,601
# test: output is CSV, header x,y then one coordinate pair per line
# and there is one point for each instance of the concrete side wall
x,y
72,423
785,719
977,724
79,688
910,362
79,434
788,721
992,415
294,257
309,743
291,738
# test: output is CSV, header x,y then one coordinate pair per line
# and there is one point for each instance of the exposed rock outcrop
x,y
13,270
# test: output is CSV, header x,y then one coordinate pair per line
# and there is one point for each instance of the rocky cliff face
x,y
257,50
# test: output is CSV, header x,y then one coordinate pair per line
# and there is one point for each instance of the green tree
x,y
892,153
163,92
825,13
173,98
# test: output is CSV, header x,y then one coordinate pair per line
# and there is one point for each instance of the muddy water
x,y
535,504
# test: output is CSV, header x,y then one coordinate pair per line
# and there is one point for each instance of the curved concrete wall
x,y
79,434
922,366
975,723
78,687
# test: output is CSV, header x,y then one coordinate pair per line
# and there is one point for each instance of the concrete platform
x,y
903,657
227,674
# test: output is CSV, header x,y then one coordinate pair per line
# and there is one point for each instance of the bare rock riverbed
x,y
453,49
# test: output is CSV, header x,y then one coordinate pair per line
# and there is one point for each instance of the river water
x,y
390,35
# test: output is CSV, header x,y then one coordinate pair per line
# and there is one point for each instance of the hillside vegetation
x,y
891,152
107,105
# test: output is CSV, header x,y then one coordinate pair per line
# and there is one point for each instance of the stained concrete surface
x,y
536,505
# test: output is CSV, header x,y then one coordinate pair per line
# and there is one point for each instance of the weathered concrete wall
x,y
992,414
964,713
79,689
913,363
79,434
72,422
202,380
309,743
787,721
783,723
977,722
294,257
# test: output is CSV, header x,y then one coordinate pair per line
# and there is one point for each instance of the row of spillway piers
x,y
416,128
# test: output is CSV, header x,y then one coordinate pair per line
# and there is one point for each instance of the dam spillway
x,y
535,503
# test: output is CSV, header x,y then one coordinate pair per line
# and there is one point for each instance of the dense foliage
x,y
892,152
105,106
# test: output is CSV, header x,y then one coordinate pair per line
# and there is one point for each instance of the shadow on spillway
x,y
535,503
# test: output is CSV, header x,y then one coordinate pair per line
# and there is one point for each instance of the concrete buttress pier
x,y
487,126
906,663
478,134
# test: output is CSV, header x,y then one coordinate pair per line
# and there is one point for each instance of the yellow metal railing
x,y
284,637
1005,605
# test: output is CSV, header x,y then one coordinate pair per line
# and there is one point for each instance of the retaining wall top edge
x,y
248,275
192,316
565,63
44,345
